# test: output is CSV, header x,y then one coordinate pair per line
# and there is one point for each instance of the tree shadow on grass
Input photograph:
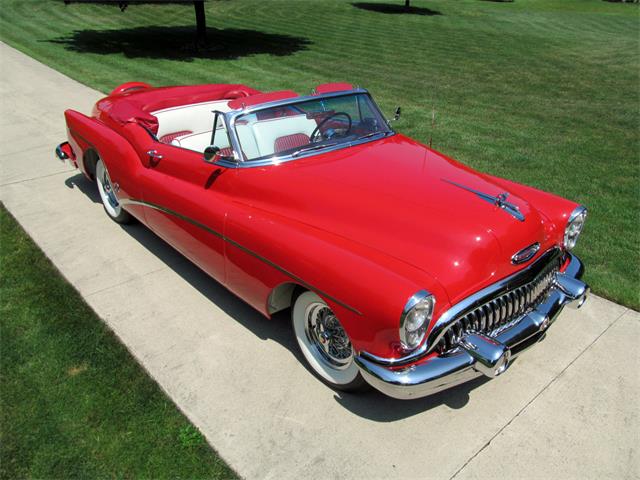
x,y
394,8
178,43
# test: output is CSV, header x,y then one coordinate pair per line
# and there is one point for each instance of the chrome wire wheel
x,y
109,196
324,342
325,333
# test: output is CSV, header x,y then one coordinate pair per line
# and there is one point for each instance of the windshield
x,y
311,125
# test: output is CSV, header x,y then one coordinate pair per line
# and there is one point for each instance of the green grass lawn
x,y
544,92
73,402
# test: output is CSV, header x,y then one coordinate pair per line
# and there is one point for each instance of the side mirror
x,y
211,154
396,116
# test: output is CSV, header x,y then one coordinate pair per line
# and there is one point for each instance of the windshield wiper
x,y
314,147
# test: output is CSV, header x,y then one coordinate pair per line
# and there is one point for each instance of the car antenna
x,y
433,125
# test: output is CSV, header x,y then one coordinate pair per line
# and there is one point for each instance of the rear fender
x,y
121,159
129,87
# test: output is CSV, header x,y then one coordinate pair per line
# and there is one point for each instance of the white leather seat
x,y
201,140
247,141
266,132
197,117
192,124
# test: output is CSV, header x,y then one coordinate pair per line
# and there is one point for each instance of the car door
x,y
186,202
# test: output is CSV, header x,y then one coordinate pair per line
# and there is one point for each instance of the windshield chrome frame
x,y
239,161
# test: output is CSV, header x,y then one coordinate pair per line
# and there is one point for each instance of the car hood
x,y
395,195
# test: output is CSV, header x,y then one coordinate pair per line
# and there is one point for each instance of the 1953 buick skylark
x,y
403,268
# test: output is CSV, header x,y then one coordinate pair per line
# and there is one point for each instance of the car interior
x,y
190,127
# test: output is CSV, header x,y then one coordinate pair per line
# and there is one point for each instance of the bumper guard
x,y
478,354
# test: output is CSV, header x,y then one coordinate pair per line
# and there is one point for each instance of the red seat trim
x,y
170,137
290,141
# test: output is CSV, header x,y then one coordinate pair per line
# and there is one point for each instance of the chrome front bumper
x,y
478,354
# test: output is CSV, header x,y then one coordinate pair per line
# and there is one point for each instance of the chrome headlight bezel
x,y
411,335
574,227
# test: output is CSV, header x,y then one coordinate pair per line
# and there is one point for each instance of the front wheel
x,y
109,197
324,343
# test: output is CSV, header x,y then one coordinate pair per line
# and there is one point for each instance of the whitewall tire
x,y
324,343
109,196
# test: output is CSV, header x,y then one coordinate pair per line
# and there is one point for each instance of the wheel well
x,y
90,159
282,296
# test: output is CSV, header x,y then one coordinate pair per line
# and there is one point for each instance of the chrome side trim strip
x,y
131,201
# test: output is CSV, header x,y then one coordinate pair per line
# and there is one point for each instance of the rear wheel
x,y
325,344
109,196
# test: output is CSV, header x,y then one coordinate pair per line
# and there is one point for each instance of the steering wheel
x,y
316,135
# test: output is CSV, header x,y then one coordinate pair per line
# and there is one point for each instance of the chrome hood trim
x,y
499,200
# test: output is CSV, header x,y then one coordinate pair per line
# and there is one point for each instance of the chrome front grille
x,y
500,311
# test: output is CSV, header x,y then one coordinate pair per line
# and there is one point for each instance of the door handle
x,y
154,157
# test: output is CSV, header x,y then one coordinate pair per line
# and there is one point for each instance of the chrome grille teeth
x,y
514,302
476,321
495,307
488,315
521,300
483,320
469,322
501,310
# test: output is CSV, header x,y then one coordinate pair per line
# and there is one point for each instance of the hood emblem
x,y
525,254
499,200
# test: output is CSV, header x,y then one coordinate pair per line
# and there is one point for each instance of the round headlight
x,y
574,227
415,319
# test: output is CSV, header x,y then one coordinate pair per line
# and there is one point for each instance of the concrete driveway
x,y
566,409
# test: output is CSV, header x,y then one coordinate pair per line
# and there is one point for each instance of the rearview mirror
x,y
211,153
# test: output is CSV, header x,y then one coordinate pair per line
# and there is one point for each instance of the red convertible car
x,y
402,268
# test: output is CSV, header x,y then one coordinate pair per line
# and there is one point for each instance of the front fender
x,y
366,289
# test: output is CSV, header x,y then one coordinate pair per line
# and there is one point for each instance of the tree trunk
x,y
201,22
407,3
